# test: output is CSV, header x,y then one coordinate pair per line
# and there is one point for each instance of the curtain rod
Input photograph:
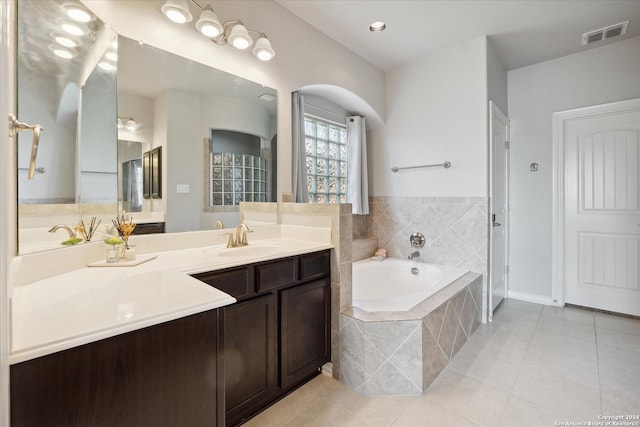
x,y
331,122
325,110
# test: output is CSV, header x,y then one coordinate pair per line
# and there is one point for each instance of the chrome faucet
x,y
55,228
413,255
240,238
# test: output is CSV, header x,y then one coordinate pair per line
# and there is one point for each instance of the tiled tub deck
x,y
401,353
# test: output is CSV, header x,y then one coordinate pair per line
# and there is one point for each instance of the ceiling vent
x,y
605,33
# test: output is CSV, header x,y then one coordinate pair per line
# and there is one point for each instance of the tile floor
x,y
533,366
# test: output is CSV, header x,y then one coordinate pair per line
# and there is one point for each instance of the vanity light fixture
x,y
208,24
131,125
177,11
263,49
232,32
128,124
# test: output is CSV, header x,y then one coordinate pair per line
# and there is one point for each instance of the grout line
x,y
595,333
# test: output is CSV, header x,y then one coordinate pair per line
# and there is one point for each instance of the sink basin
x,y
258,250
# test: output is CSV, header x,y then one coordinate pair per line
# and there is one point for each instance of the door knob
x,y
496,224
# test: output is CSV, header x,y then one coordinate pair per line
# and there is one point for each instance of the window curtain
x,y
298,151
357,186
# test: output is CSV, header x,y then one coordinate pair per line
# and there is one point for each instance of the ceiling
x,y
524,32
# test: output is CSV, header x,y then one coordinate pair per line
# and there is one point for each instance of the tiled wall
x,y
402,357
455,228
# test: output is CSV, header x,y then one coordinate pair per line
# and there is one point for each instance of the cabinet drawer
x,y
236,282
315,265
276,274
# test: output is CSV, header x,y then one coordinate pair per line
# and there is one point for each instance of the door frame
x,y
560,120
8,187
494,110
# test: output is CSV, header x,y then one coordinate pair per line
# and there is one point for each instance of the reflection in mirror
x,y
178,103
130,178
66,82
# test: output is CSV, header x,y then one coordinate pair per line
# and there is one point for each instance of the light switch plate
x,y
182,188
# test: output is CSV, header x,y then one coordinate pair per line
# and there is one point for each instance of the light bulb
x,y
131,125
107,66
77,13
65,41
177,11
111,56
62,52
208,24
73,29
263,49
239,37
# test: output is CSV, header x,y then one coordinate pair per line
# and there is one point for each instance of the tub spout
x,y
413,255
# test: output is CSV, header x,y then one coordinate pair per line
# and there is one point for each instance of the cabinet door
x,y
163,375
250,355
305,331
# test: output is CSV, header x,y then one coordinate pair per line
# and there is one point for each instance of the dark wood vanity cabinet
x,y
250,356
163,375
277,335
149,228
304,330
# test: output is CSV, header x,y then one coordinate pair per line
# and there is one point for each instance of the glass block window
x,y
237,178
326,146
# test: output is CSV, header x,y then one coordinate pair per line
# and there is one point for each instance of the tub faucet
x,y
55,228
413,255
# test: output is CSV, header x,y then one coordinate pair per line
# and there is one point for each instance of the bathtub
x,y
402,328
390,285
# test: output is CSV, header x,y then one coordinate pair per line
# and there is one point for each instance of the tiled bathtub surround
x,y
401,353
363,248
455,228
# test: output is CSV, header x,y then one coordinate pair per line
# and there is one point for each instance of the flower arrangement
x,y
125,226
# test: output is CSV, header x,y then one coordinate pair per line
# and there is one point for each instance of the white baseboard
x,y
537,299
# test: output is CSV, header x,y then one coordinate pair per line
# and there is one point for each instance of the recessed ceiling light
x,y
377,26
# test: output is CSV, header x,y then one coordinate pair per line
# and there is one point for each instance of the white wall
x,y
42,105
436,112
97,148
593,77
496,79
141,110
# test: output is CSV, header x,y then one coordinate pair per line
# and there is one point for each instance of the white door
x,y
602,208
499,207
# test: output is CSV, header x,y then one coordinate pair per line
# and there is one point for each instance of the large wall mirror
x,y
103,109
181,106
66,74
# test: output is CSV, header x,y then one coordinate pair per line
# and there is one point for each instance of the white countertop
x,y
94,303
